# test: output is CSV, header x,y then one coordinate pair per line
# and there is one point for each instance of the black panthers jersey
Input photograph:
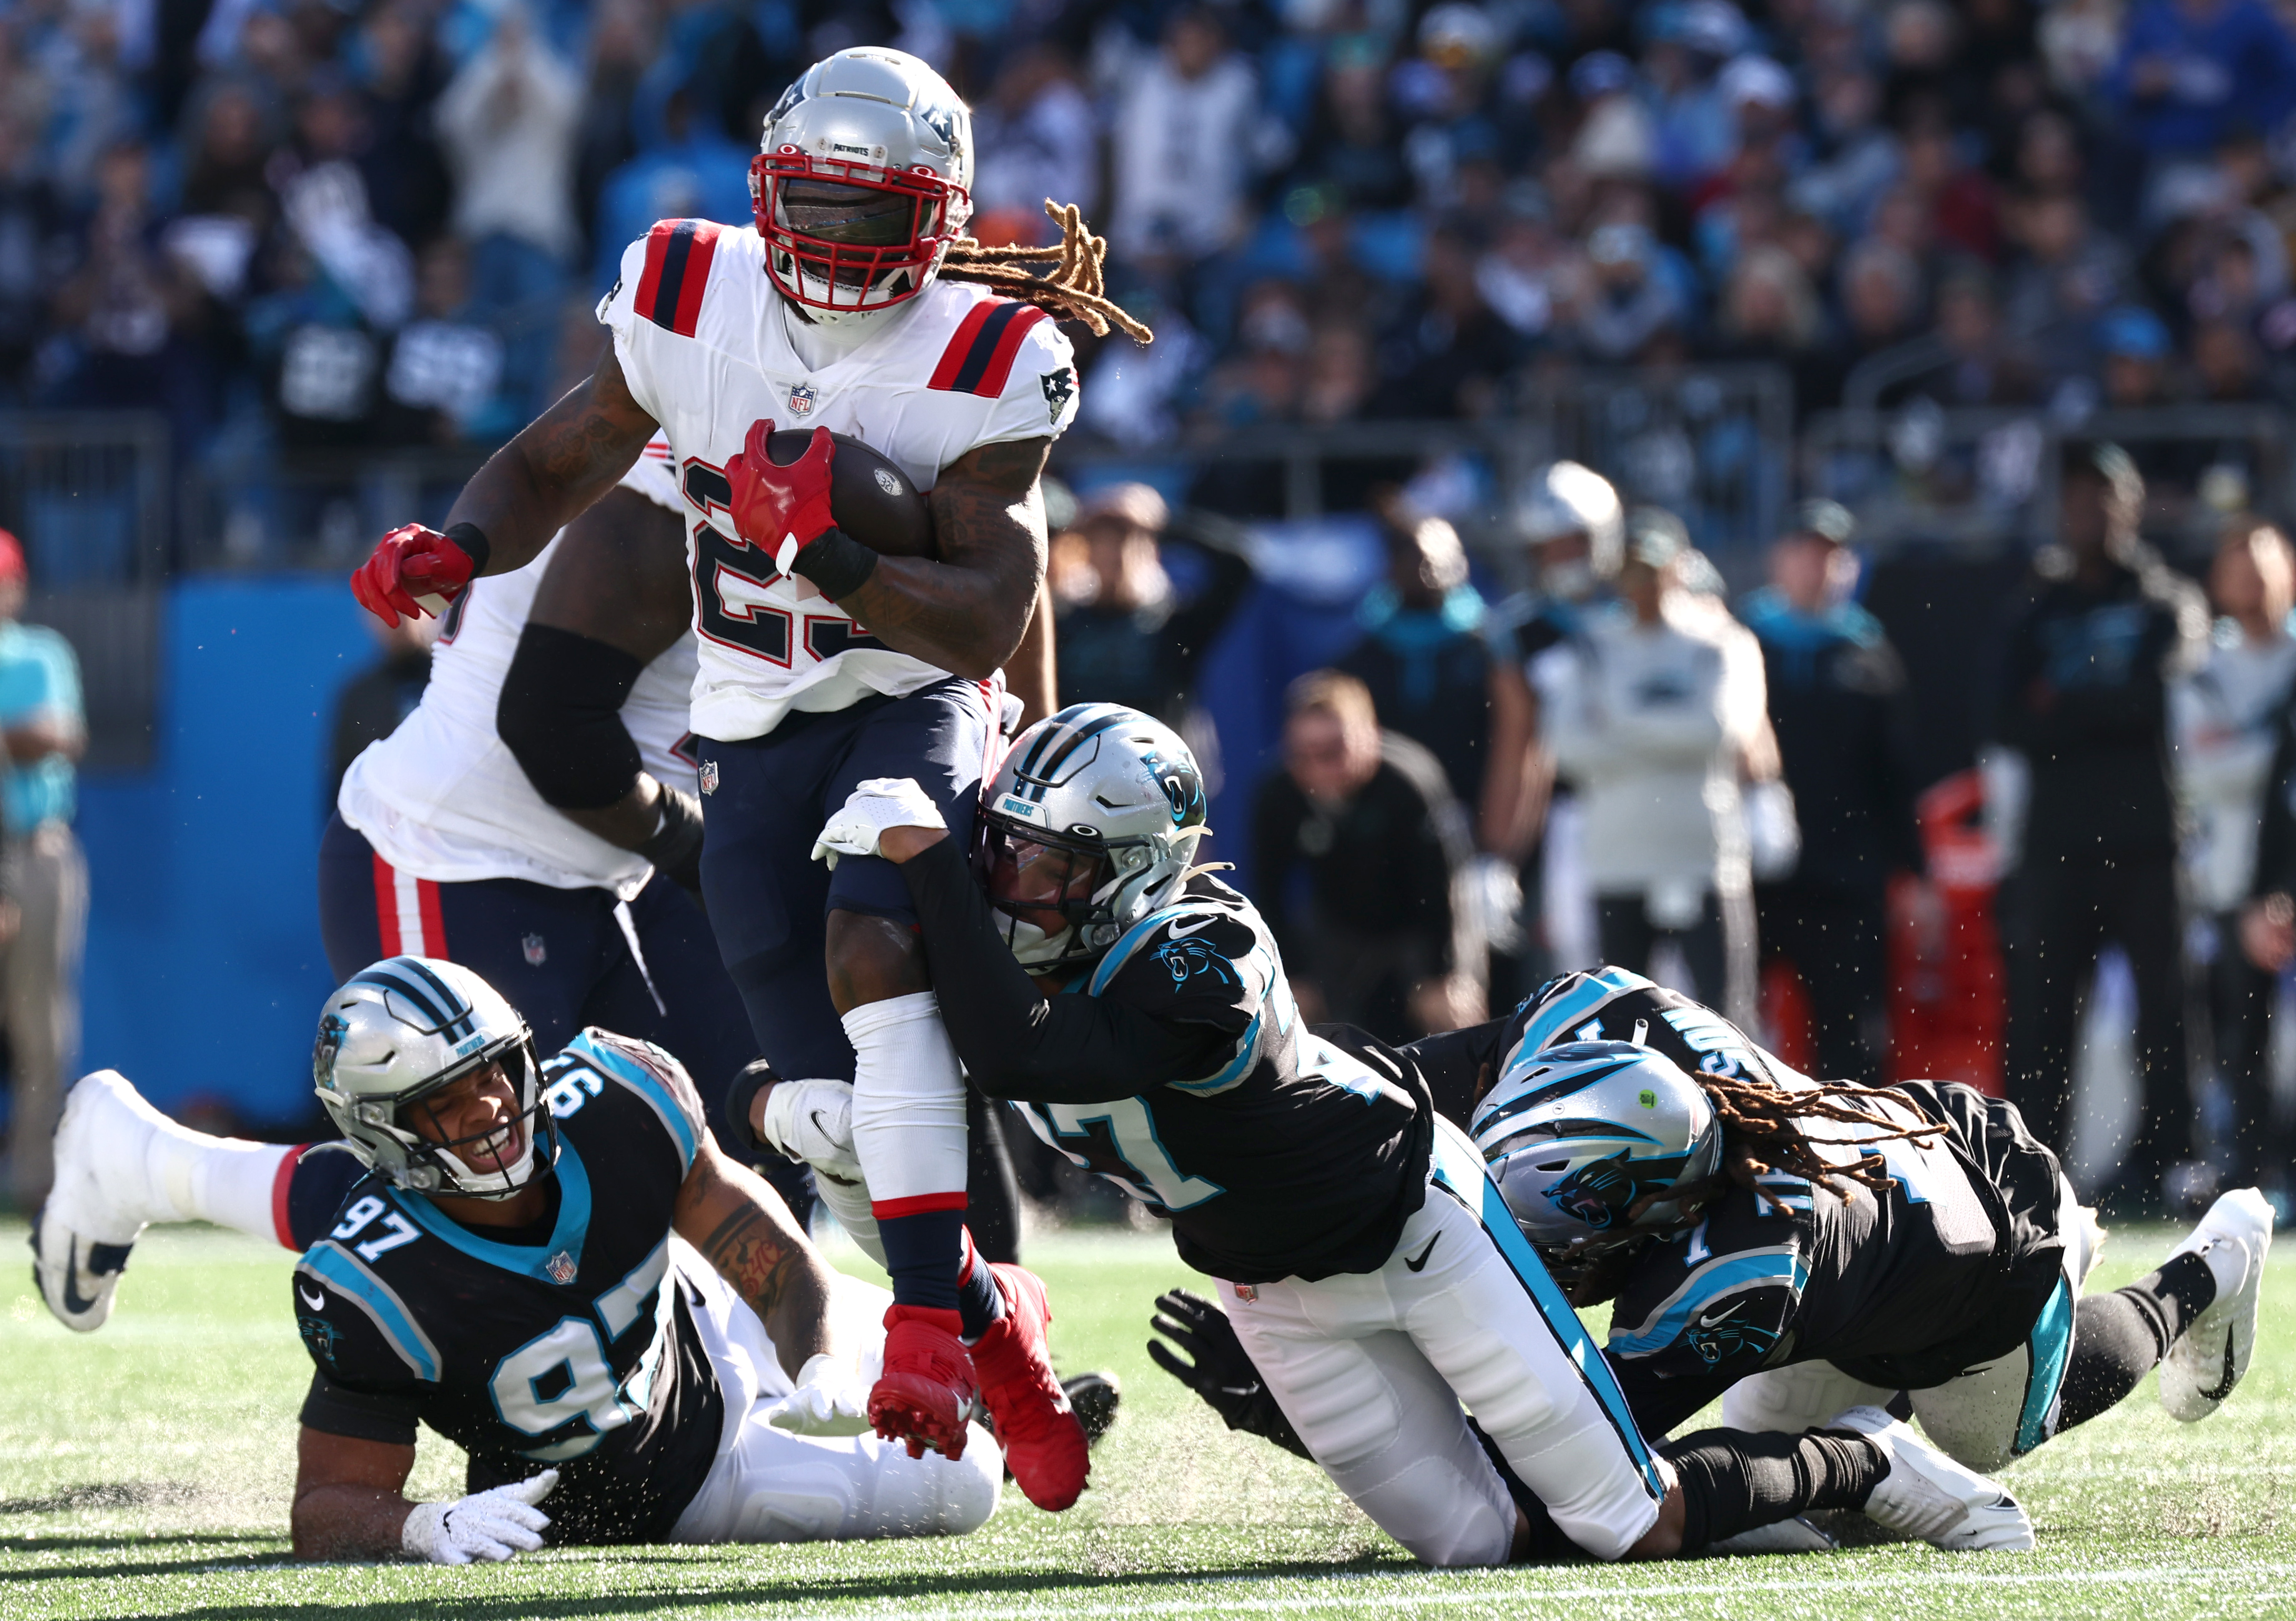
x,y
1948,1268
552,1347
1287,1152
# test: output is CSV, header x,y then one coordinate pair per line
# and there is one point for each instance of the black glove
x,y
1221,1372
675,848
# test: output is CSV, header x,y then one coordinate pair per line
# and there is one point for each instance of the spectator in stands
x,y
2192,70
1125,634
2083,696
1358,854
42,875
1839,706
1639,295
2225,721
1185,147
34,243
507,122
684,168
1447,351
1648,715
1036,139
2068,274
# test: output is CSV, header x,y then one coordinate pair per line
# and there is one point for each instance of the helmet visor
x,y
1047,882
858,216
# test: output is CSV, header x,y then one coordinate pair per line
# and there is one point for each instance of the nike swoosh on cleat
x,y
1420,1264
2223,1387
74,1301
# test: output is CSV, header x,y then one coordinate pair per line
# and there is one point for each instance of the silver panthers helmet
x,y
1575,1135
1091,823
1566,498
402,1031
862,182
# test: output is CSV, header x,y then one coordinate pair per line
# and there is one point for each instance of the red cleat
x,y
928,1384
1045,1446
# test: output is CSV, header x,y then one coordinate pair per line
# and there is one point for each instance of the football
x,y
873,499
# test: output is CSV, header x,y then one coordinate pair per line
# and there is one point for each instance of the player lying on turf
x,y
856,304
1370,1262
1769,1241
553,1266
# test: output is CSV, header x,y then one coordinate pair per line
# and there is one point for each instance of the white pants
x,y
1370,1368
1988,1416
768,1486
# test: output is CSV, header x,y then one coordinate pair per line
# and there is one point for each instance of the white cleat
x,y
1928,1495
99,1203
2209,1358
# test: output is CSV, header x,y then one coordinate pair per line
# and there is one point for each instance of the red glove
x,y
410,563
781,510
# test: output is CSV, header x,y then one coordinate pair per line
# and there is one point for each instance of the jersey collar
x,y
526,1260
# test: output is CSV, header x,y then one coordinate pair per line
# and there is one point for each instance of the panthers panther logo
x,y
1183,960
1183,788
1600,1194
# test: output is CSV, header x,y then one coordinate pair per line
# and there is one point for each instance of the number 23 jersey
x,y
701,336
560,1345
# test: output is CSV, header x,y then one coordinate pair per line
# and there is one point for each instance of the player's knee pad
x,y
1336,1398
908,1098
934,1495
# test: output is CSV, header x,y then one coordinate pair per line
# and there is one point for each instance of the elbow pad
x,y
561,716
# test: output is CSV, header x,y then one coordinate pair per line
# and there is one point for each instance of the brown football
x,y
873,500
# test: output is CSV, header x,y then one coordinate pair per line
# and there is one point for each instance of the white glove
x,y
486,1527
830,1400
813,1121
875,804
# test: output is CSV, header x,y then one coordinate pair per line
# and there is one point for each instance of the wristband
x,y
836,562
752,1080
472,539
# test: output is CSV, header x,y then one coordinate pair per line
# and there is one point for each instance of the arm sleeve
x,y
560,714
1015,1043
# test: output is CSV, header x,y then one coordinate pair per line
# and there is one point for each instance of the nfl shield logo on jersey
x,y
561,1267
802,400
537,952
708,776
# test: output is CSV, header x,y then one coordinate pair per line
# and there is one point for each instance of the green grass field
x,y
144,1471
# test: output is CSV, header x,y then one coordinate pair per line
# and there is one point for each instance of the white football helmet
x,y
1090,825
1575,1134
403,1030
862,181
1566,498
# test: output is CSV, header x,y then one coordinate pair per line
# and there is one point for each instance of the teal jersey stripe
x,y
1459,1168
2048,1350
526,1260
1709,1283
342,1272
648,1085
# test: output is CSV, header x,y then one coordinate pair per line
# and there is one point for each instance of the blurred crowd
x,y
313,224
1618,764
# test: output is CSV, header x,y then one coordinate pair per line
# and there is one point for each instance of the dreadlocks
x,y
1071,288
1763,1130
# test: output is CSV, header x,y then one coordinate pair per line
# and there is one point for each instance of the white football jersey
x,y
698,329
442,797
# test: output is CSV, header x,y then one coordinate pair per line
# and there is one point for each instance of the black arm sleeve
x,y
561,715
1455,1062
364,1415
1015,1043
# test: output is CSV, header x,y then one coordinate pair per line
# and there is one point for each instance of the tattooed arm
x,y
559,463
967,613
744,1230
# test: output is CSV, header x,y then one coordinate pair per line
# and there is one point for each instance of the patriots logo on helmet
x,y
800,400
1600,1194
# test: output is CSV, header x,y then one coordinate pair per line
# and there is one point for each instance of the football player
x,y
1137,1007
1796,1249
552,1263
855,303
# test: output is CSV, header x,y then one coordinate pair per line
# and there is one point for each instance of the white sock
x,y
186,1176
908,1098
